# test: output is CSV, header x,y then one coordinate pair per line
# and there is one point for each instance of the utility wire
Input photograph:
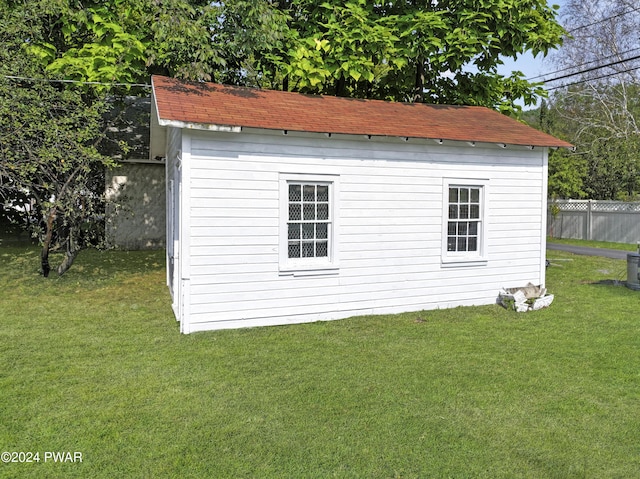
x,y
611,17
578,65
603,20
591,79
618,62
81,82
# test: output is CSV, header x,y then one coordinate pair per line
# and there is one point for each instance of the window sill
x,y
315,270
463,262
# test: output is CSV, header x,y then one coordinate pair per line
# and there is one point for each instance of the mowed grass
x,y
596,244
93,362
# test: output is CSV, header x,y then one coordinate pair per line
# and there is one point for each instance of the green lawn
x,y
596,244
93,362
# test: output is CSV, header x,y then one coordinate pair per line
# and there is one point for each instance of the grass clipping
x,y
526,298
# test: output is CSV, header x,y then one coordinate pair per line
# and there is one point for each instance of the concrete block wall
x,y
136,206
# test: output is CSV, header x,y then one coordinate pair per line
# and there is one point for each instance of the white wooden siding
x,y
390,210
173,181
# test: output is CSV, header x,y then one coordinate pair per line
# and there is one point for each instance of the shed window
x,y
308,223
309,220
464,220
463,226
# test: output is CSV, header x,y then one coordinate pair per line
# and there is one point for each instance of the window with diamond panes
x,y
463,224
309,220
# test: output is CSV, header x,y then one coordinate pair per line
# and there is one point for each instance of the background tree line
x,y
598,109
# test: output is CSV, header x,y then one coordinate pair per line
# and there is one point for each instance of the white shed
x,y
288,208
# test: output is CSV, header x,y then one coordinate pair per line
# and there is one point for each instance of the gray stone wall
x,y
136,206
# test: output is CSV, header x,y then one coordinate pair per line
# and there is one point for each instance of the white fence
x,y
615,221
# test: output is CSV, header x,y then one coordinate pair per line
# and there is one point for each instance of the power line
x,y
80,82
611,17
603,20
591,79
578,65
568,75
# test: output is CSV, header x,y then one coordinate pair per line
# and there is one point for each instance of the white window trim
x,y
309,266
466,258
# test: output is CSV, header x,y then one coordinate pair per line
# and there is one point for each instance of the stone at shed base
x,y
527,298
542,302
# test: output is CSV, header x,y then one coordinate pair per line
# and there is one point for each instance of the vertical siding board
x,y
390,211
173,158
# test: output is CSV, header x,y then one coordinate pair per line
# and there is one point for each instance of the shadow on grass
x,y
616,289
609,282
98,266
20,264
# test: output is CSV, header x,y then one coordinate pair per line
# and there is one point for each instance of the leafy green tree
x,y
113,55
48,138
438,52
415,50
568,171
119,42
52,132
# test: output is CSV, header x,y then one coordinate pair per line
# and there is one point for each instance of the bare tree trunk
x,y
69,258
70,255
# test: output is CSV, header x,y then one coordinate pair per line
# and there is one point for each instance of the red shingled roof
x,y
221,105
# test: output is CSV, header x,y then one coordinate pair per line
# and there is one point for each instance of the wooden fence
x,y
615,221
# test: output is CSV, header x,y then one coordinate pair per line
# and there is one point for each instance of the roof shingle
x,y
222,105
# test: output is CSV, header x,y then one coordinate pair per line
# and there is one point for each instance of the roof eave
x,y
199,126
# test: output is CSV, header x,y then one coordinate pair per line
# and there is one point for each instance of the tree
x,y
437,52
52,131
414,50
567,171
48,155
122,41
598,110
605,149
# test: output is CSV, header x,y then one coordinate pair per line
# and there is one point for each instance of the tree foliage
x,y
599,110
50,169
415,50
437,52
